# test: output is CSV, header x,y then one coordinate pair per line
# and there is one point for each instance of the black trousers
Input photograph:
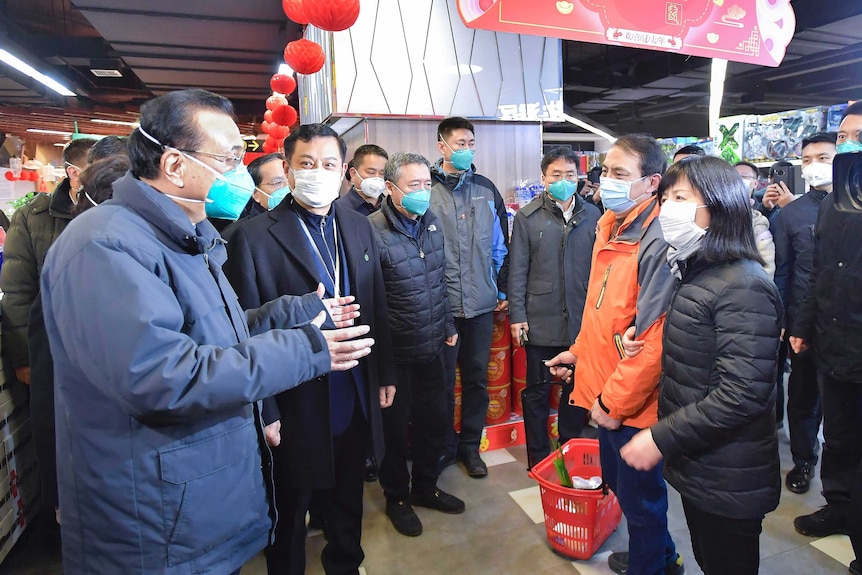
x,y
472,353
420,402
803,408
570,418
341,507
723,545
841,469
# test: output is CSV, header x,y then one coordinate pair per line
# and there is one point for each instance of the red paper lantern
x,y
32,176
267,116
10,176
265,126
293,9
283,84
278,132
284,115
304,56
270,145
331,15
275,101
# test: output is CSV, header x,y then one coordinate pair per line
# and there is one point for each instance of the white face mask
x,y
371,187
677,224
317,187
817,174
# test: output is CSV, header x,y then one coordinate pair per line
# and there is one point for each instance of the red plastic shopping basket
x,y
577,521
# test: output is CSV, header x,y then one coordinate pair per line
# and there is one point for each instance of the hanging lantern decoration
x,y
265,126
331,15
294,9
275,101
270,145
283,84
304,56
267,116
278,132
284,115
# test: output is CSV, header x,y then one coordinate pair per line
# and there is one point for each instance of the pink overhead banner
x,y
751,31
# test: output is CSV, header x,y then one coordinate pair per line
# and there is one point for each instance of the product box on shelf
x,y
731,131
833,116
779,136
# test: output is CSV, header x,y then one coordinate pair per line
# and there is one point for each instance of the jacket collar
x,y
395,219
550,204
61,201
160,211
452,181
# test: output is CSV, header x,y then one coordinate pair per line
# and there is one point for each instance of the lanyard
x,y
336,262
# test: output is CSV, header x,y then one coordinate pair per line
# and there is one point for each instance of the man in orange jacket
x,y
630,285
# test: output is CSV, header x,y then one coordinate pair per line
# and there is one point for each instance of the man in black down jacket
x,y
550,255
410,243
793,230
830,320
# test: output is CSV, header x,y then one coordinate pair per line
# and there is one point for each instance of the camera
x,y
847,182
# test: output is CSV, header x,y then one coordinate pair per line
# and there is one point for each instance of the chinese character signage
x,y
751,31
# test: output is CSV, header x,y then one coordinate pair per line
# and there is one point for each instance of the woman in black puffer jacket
x,y
716,428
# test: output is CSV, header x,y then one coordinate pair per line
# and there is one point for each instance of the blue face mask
x,y
229,192
276,197
562,190
462,159
616,194
849,146
416,202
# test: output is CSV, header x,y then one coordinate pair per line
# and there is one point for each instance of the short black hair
x,y
730,235
107,147
97,181
347,171
76,151
449,125
255,166
820,138
854,109
306,133
367,150
747,165
560,153
653,160
691,150
170,120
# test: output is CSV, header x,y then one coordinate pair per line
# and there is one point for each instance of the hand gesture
x,y
344,351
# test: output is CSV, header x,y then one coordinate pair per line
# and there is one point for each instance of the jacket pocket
x,y
538,287
211,491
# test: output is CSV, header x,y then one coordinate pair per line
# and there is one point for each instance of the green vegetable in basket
x,y
562,472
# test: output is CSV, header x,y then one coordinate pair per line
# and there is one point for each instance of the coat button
x,y
840,264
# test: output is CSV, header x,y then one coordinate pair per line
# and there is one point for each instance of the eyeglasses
x,y
230,161
279,183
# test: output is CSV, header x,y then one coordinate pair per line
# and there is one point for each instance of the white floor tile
x,y
836,546
597,565
530,500
497,457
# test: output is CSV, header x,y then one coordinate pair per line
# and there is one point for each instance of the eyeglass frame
x,y
224,158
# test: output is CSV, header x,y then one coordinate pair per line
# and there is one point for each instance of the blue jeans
x,y
643,499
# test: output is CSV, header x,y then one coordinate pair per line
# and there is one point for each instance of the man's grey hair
x,y
392,171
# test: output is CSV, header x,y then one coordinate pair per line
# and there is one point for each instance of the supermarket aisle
x,y
502,533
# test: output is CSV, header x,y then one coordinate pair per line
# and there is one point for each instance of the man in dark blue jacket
x,y
366,177
410,243
793,231
327,426
549,268
158,369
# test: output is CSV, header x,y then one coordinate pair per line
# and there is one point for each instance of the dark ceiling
x,y
233,48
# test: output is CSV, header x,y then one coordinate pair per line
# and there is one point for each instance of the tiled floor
x,y
502,533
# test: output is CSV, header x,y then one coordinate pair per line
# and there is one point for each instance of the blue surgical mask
x,y
415,202
616,194
229,192
562,190
849,146
275,197
462,159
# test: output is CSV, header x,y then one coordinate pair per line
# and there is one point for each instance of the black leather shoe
x,y
619,563
822,523
403,518
439,500
474,465
799,478
370,473
855,567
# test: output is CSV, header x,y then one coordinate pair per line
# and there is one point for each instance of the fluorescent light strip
x,y
22,66
589,128
716,93
116,122
55,132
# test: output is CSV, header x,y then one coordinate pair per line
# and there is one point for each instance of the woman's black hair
x,y
97,182
730,235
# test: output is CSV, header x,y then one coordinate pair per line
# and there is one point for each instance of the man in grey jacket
x,y
550,258
160,444
472,216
